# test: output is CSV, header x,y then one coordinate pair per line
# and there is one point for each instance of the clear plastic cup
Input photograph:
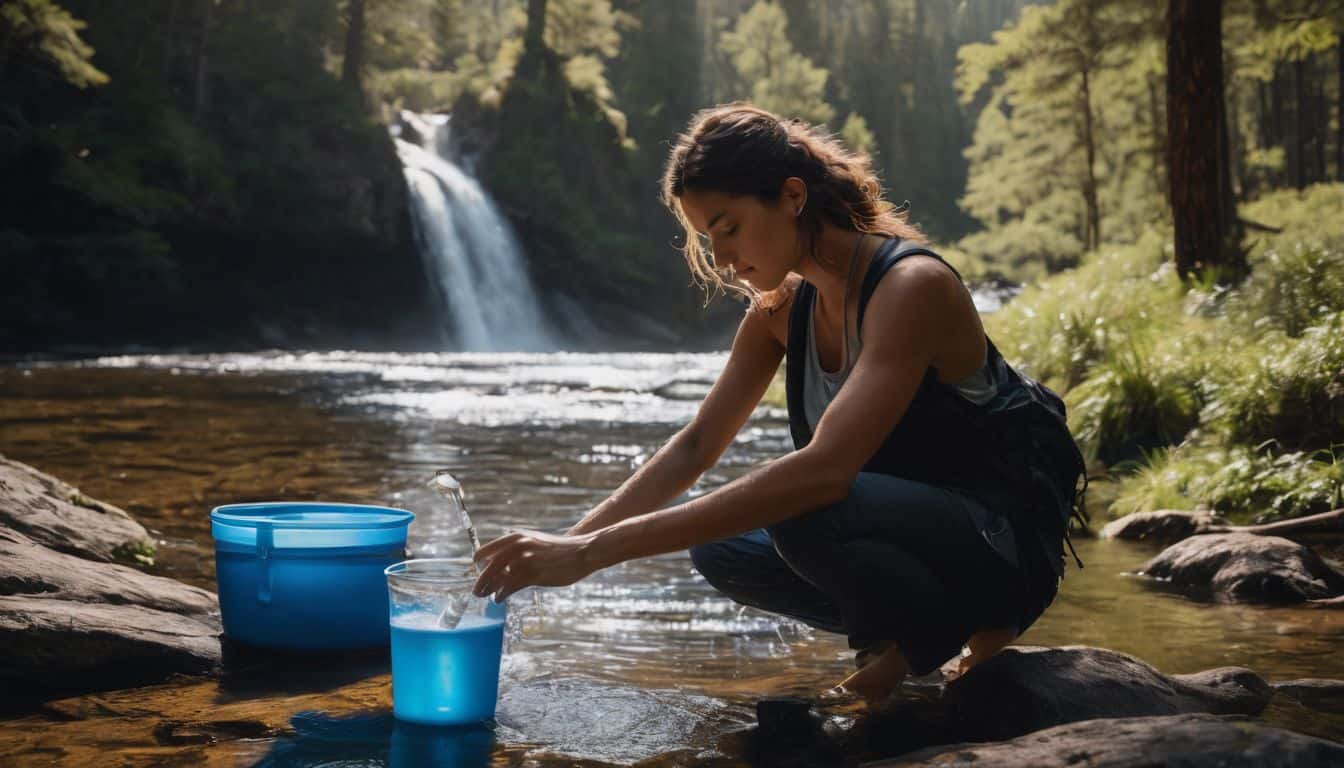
x,y
446,643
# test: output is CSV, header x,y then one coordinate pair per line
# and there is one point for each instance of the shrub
x,y
1289,290
1292,395
1134,402
1246,485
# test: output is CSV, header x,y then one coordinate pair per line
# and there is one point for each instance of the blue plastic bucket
x,y
306,576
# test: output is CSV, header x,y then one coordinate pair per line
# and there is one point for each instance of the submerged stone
x,y
1245,567
1162,525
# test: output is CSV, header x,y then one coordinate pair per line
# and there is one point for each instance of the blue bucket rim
x,y
395,517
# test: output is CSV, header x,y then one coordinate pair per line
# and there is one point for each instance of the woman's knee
x,y
796,538
712,560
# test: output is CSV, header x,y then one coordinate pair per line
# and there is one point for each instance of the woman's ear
x,y
793,195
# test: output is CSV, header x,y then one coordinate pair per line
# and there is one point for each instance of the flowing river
x,y
640,661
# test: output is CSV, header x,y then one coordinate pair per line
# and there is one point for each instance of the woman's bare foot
x,y
876,680
982,645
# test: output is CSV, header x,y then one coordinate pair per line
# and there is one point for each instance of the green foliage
x,y
1204,382
856,134
772,75
1023,249
1291,290
1308,215
1246,485
1134,402
42,30
139,553
1072,95
1292,395
1060,328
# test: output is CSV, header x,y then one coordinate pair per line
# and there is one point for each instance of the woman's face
x,y
758,239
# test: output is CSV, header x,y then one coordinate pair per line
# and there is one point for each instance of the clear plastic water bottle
x,y
438,532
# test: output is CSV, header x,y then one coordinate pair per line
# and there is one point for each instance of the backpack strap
x,y
794,362
887,257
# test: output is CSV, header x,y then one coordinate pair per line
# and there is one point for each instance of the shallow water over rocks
x,y
638,661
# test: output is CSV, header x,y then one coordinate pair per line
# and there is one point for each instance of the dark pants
x,y
897,560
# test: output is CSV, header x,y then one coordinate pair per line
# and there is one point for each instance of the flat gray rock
x,y
1187,740
1163,525
1245,567
56,515
1025,689
61,645
70,620
30,570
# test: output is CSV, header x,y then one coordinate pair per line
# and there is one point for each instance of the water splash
x,y
450,489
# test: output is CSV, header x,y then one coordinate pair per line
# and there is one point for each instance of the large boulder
x,y
72,621
1019,691
1025,689
1163,525
1189,740
1245,567
56,515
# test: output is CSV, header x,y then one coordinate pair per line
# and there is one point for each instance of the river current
x,y
638,661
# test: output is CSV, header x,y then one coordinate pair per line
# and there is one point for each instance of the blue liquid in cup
x,y
445,676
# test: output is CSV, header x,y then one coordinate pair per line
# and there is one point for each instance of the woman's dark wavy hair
x,y
739,149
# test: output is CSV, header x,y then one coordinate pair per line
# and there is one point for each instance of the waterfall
x,y
469,250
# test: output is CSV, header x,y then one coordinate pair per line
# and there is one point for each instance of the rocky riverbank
x,y
80,619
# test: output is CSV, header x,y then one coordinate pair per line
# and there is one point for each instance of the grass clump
x,y
1134,402
1241,483
1059,329
1292,394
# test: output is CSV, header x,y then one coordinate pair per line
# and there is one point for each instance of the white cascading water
x,y
470,251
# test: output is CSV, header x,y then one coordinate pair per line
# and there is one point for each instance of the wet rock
x,y
1245,567
80,623
27,569
1025,689
1163,525
1191,740
56,515
54,645
1316,693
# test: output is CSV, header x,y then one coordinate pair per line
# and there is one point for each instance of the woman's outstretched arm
x,y
679,463
916,316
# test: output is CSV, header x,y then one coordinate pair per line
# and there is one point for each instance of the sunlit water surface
x,y
640,660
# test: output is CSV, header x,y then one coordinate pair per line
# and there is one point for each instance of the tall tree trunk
x,y
1208,234
1320,124
1299,125
167,39
1339,109
1279,121
535,36
1159,138
200,92
1093,237
352,67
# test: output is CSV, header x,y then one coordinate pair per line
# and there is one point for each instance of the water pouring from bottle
x,y
450,489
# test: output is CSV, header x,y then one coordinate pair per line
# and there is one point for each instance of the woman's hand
x,y
531,558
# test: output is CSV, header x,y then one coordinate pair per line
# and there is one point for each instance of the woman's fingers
x,y
496,566
490,549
